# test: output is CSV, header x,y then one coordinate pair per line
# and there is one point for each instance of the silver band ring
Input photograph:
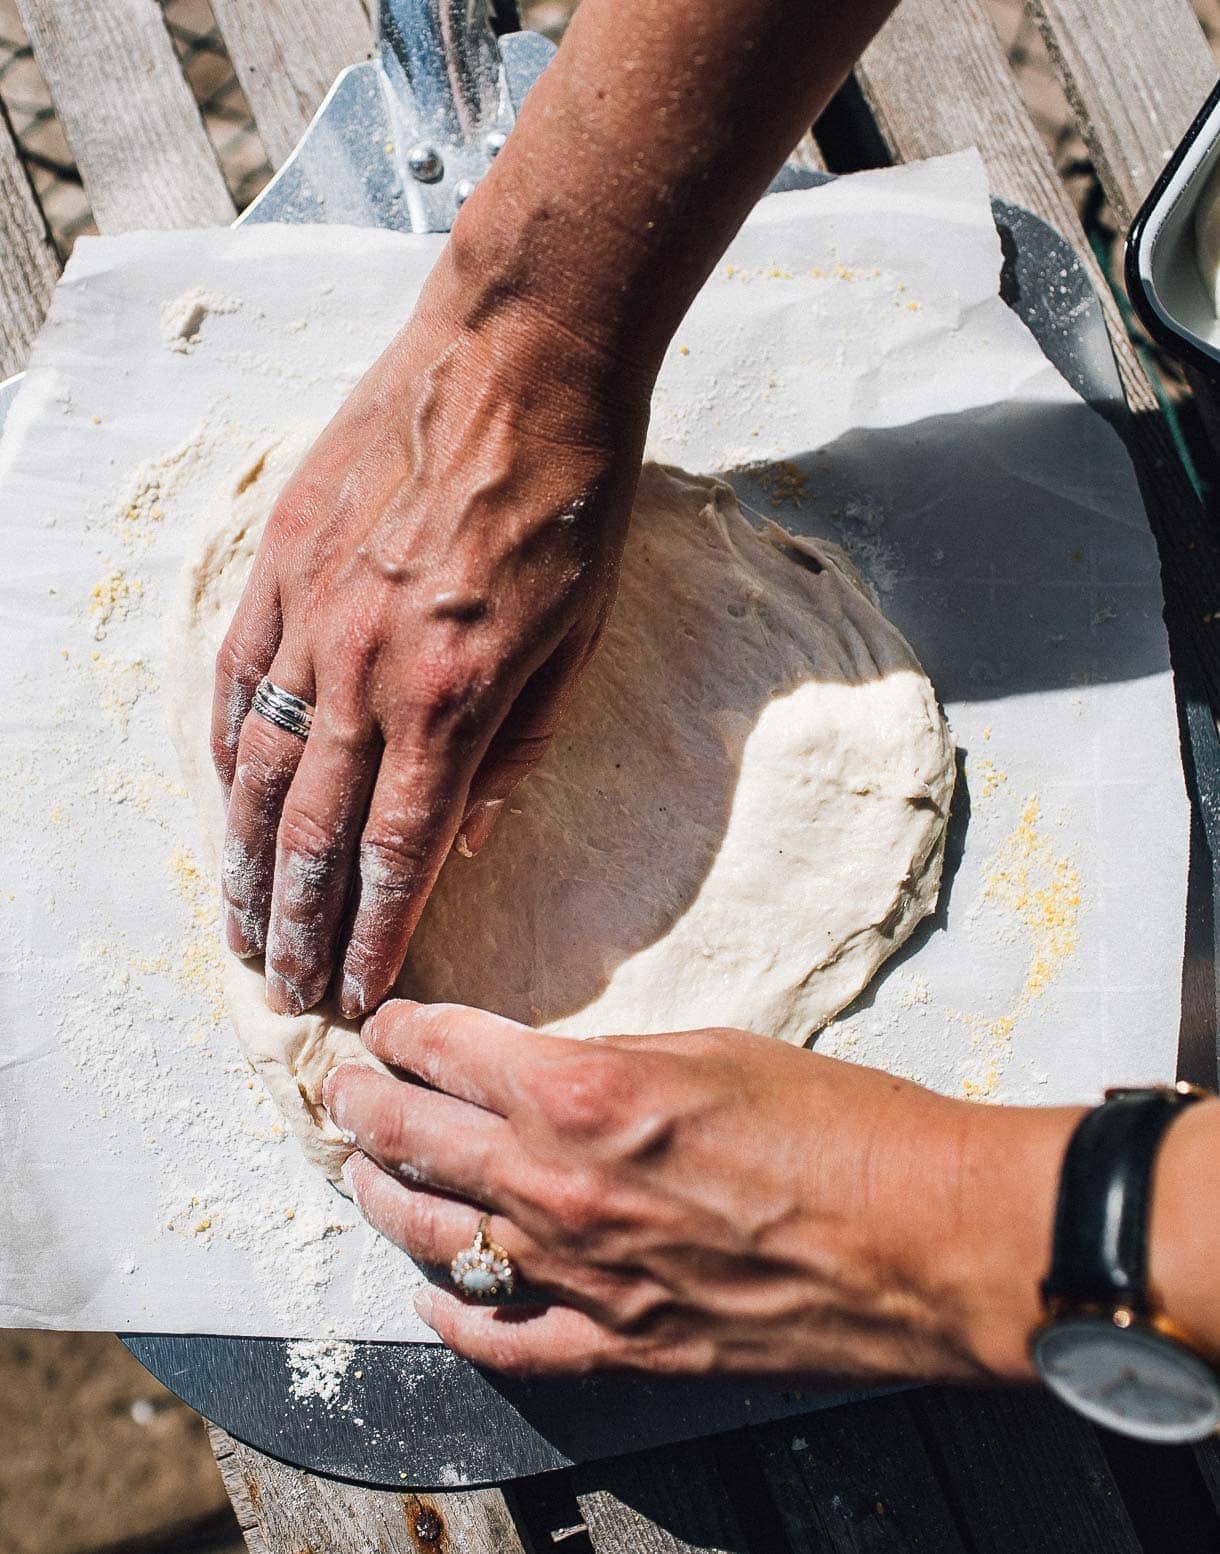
x,y
282,708
483,1269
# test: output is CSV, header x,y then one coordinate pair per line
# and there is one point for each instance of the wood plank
x,y
937,80
287,54
669,1501
283,1510
129,116
857,1479
1136,73
807,155
1023,1472
29,264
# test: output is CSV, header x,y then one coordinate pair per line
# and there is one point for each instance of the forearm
x,y
640,151
998,1218
1184,1235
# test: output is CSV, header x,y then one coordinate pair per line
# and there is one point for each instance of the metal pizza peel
x,y
399,142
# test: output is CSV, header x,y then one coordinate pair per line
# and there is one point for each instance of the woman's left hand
x,y
703,1201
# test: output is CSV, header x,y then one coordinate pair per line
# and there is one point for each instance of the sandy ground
x,y
93,1452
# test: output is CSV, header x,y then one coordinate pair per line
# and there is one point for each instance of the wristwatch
x,y
1102,1349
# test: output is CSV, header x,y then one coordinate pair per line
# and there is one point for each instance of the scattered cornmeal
x,y
200,963
1041,894
112,598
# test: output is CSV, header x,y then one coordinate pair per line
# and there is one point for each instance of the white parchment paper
x,y
852,366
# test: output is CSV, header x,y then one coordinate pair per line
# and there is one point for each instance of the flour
x,y
182,317
318,1369
150,485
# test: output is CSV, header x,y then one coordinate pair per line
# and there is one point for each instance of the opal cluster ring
x,y
282,708
483,1269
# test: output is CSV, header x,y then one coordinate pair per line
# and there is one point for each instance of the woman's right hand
x,y
434,578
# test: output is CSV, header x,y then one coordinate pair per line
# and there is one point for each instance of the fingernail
x,y
282,995
352,999
479,825
327,1086
424,1300
348,1173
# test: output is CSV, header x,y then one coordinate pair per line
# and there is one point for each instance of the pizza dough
x,y
741,816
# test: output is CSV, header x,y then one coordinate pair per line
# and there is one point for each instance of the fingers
x,y
432,1228
522,739
552,1341
469,1053
319,829
413,815
245,656
422,1136
267,760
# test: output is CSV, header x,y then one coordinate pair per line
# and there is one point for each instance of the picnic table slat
x,y
937,80
667,1501
284,1510
1136,73
29,264
970,98
857,1479
287,54
807,154
129,116
1024,1472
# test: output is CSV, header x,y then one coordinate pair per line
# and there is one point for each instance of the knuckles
x,y
266,760
574,1203
234,683
309,852
590,1092
232,664
391,864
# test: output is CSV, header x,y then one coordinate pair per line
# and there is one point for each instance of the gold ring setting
x,y
482,1269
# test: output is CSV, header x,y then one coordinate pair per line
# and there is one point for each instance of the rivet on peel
x,y
425,162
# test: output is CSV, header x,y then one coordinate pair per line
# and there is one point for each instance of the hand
x,y
433,578
706,1201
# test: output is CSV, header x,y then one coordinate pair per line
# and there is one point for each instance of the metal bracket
x,y
403,140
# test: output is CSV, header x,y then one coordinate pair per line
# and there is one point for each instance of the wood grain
x,y
28,261
807,155
1136,73
850,1480
129,116
937,80
1023,1473
669,1501
287,54
283,1510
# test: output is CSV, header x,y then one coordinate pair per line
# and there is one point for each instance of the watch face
x,y
1131,1379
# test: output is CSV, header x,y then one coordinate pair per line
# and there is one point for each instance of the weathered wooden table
x,y
937,1469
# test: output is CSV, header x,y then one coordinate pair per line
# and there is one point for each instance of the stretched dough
x,y
741,816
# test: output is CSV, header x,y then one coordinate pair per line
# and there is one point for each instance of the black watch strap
x,y
1100,1250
